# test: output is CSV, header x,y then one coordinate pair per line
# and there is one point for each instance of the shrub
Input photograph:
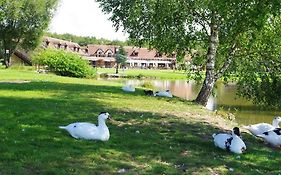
x,y
63,63
147,85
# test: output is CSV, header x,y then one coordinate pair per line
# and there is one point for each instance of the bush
x,y
63,63
147,85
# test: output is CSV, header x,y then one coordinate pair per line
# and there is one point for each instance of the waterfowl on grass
x,y
166,93
231,142
89,131
273,137
260,128
148,92
128,88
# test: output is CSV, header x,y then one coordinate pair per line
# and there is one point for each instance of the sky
x,y
83,18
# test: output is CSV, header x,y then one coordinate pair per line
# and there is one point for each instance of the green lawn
x,y
149,135
146,73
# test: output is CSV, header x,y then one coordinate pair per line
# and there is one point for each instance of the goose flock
x,y
270,133
161,93
228,141
233,142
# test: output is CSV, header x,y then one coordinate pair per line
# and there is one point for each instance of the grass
x,y
149,135
147,73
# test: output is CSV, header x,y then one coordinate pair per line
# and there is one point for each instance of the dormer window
x,y
158,54
135,53
99,53
109,54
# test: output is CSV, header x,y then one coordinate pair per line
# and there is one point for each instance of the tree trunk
x,y
117,65
210,78
7,61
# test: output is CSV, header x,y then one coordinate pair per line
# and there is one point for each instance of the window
x,y
135,53
158,54
99,53
109,54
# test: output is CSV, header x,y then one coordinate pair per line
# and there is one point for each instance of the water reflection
x,y
223,98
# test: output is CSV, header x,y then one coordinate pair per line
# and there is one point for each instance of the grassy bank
x,y
146,73
149,135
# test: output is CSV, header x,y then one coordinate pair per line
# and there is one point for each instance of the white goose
x,y
231,142
128,88
166,93
260,128
89,131
273,137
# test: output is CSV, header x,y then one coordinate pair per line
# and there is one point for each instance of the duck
x,y
148,92
230,142
89,131
273,137
258,129
166,93
128,88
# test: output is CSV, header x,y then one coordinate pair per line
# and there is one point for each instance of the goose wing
x,y
85,130
260,128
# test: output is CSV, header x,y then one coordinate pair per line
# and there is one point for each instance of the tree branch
x,y
227,62
201,22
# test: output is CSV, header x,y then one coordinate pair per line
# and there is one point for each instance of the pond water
x,y
224,98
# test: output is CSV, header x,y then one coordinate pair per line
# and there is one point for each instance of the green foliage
x,y
64,63
22,23
121,55
260,73
147,85
215,28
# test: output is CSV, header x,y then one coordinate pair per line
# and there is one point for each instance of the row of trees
x,y
84,40
232,33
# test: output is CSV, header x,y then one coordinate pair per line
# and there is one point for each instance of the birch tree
x,y
177,26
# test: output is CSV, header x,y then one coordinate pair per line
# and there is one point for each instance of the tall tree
x,y
22,23
177,25
120,57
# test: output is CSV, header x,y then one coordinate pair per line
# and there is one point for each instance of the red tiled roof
x,y
92,49
140,53
55,41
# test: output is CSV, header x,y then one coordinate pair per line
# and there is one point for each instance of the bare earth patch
x,y
15,81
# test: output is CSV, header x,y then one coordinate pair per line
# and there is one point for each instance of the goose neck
x,y
275,123
102,123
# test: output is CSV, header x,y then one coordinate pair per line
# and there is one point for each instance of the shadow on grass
x,y
140,143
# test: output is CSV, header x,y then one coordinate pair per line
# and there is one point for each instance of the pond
x,y
224,98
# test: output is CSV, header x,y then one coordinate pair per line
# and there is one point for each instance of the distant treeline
x,y
83,41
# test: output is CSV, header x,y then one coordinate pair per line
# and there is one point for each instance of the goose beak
x,y
109,117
